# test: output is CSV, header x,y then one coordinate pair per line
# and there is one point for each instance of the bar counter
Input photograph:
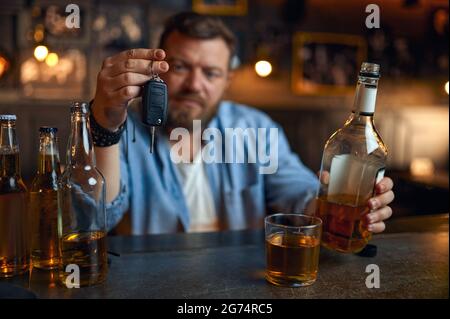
x,y
412,256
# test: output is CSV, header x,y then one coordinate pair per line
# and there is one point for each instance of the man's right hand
x,y
120,80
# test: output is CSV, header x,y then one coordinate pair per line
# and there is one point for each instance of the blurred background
x,y
286,51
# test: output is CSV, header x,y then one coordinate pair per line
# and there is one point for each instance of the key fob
x,y
154,102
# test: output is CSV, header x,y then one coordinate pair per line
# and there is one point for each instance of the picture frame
x,y
51,17
326,63
220,7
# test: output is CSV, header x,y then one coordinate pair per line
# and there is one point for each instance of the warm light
x,y
41,52
446,87
52,59
422,166
263,68
4,65
38,35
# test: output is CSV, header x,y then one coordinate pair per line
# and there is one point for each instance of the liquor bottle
x,y
45,252
14,219
81,207
353,161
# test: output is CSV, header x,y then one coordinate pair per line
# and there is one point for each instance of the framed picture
x,y
326,63
436,46
120,26
46,22
220,7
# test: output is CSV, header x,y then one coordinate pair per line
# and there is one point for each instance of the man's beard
x,y
181,117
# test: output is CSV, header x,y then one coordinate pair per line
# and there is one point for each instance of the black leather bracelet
x,y
103,137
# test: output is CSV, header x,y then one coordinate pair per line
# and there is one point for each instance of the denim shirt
x,y
150,184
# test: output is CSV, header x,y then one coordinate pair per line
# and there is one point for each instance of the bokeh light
x,y
52,59
263,68
40,52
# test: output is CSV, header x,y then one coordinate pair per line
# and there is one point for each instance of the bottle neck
x,y
9,149
8,140
359,118
80,150
48,155
365,96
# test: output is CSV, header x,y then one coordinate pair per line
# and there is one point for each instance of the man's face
x,y
197,78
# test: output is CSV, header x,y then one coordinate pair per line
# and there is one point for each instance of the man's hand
x,y
380,211
120,80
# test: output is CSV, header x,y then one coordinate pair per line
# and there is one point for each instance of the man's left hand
x,y
379,209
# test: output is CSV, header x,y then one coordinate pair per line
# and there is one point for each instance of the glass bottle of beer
x,y
81,207
45,252
353,161
14,219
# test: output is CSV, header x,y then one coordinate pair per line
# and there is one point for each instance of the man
x,y
164,196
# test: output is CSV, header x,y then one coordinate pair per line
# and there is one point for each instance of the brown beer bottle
x,y
14,219
353,161
45,252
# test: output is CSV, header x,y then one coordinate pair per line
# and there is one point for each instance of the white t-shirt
x,y
198,196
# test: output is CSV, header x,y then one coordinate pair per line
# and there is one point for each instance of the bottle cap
x,y
48,129
79,107
368,251
371,70
8,117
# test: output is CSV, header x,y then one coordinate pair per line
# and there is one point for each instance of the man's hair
x,y
199,26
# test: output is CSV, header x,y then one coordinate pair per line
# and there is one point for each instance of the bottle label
x,y
365,99
350,175
380,175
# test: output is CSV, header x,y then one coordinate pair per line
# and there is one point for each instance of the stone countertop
x,y
412,258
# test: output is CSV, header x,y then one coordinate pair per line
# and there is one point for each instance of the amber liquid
x,y
14,219
292,260
45,252
343,229
45,242
88,251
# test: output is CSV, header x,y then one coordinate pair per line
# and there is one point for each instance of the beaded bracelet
x,y
103,137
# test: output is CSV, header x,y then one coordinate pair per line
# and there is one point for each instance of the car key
x,y
154,105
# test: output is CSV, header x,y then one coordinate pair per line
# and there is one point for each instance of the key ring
x,y
152,74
